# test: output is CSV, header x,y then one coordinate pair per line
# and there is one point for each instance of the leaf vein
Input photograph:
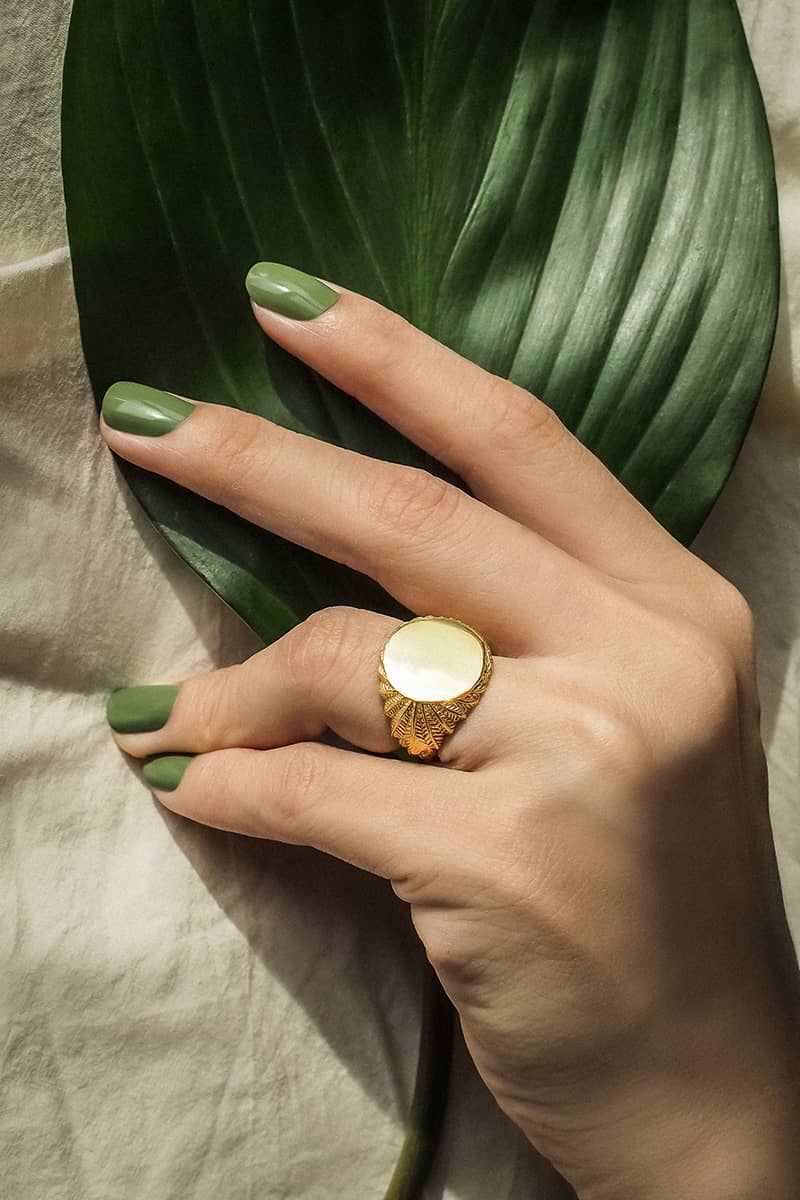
x,y
284,157
185,275
323,128
223,133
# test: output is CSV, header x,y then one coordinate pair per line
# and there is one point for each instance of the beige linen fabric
x,y
186,1013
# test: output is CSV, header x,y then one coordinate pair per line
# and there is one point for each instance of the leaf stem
x,y
430,1092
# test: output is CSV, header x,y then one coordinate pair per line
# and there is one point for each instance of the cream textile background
x,y
187,1013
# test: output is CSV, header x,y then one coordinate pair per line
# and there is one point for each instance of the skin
x,y
590,864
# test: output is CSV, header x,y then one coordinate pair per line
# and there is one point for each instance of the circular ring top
x,y
433,658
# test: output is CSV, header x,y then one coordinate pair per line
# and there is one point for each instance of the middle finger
x,y
428,543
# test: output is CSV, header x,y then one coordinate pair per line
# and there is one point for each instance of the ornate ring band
x,y
432,673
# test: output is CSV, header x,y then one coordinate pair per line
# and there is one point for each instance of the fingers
x,y
428,543
507,445
321,675
392,818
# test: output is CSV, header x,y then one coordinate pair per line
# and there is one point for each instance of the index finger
x,y
505,443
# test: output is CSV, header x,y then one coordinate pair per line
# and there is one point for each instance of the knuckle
x,y
611,740
318,649
410,497
210,776
455,951
213,707
598,716
709,657
720,685
448,956
240,450
706,683
519,419
607,730
737,617
726,611
300,780
382,338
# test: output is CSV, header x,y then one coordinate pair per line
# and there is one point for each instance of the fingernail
x,y
287,291
140,709
135,408
165,773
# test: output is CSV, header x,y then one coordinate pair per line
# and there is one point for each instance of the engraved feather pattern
x,y
420,726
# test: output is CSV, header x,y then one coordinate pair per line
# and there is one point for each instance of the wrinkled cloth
x,y
188,1013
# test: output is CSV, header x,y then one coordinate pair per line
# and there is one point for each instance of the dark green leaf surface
x,y
579,196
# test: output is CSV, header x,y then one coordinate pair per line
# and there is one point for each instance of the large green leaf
x,y
579,196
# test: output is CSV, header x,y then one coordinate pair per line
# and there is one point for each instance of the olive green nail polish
x,y
140,709
135,408
166,772
287,291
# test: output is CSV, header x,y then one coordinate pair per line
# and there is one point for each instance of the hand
x,y
591,867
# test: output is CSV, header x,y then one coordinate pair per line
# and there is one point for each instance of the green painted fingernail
x,y
140,709
287,291
166,772
135,408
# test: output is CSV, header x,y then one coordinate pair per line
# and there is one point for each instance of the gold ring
x,y
432,673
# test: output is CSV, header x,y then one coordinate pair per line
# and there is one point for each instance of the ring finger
x,y
321,675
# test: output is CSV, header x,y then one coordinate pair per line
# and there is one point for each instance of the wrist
x,y
747,1151
730,1131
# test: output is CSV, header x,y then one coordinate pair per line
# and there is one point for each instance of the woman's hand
x,y
594,876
